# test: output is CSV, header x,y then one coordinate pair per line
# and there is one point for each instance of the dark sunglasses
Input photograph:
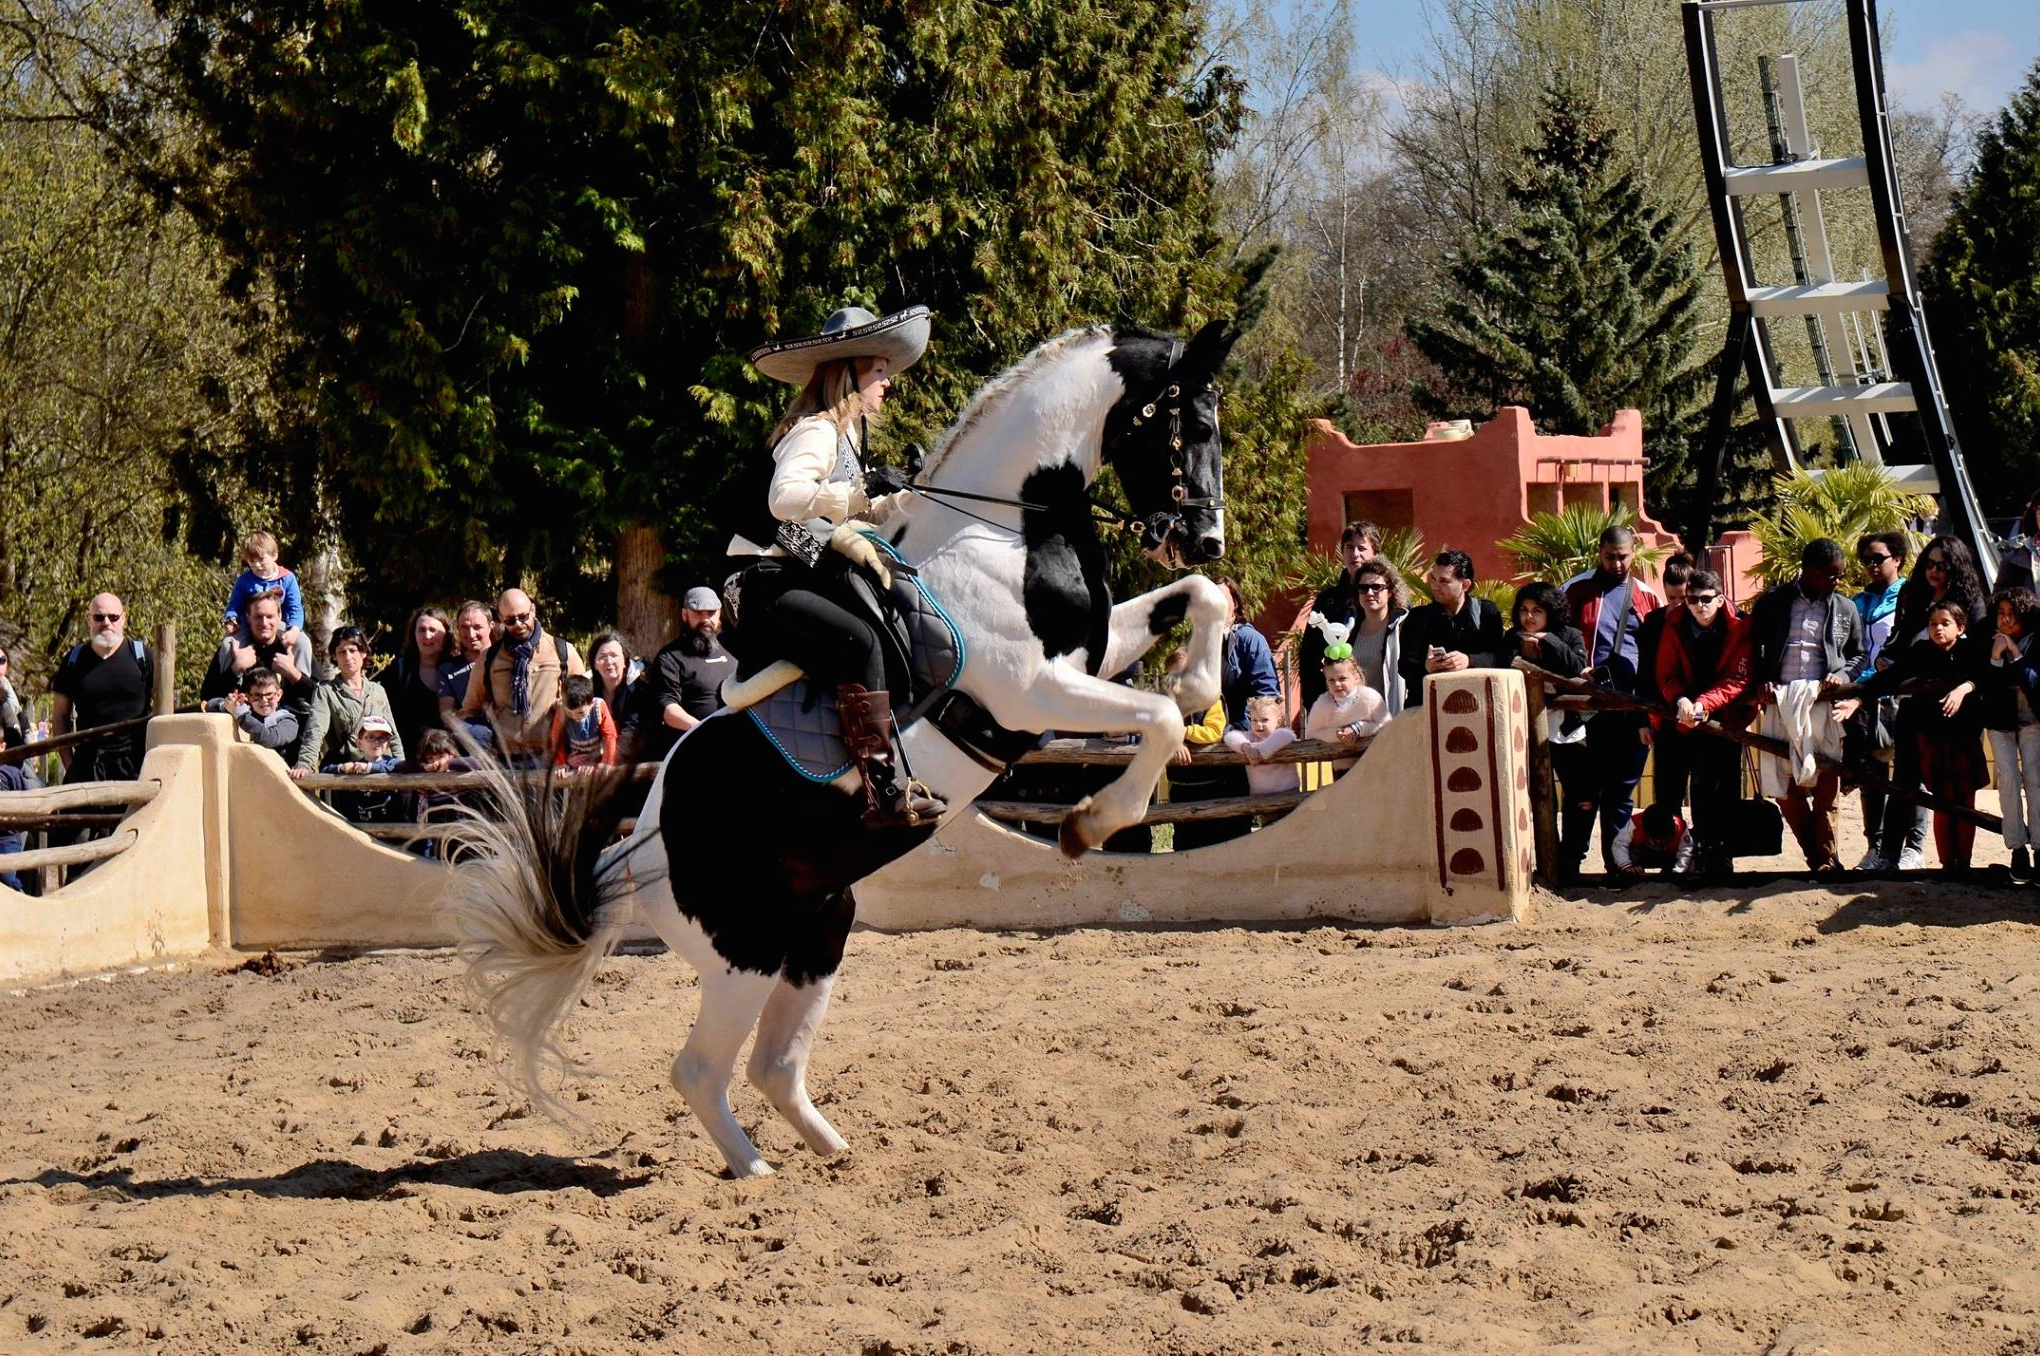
x,y
1703,599
106,616
1872,562
519,618
1935,563
1370,588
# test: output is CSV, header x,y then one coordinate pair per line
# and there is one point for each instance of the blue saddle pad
x,y
800,719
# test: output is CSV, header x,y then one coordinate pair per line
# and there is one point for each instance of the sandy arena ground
x,y
1775,1120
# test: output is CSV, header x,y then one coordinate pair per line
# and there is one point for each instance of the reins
x,y
1157,525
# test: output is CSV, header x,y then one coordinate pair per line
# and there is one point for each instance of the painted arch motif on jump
x,y
1480,778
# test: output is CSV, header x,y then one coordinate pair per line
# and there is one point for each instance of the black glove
x,y
884,480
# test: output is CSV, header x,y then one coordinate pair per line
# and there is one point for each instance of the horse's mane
x,y
995,391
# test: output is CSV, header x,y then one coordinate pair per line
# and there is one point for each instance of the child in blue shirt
x,y
264,575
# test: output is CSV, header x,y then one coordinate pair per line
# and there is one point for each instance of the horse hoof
x,y
1072,838
757,1167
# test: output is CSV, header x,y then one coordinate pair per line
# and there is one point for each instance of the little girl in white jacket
x,y
1348,712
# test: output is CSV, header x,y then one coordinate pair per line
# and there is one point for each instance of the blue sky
x,y
1981,49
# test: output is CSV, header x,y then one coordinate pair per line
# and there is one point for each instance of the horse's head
x,y
1162,439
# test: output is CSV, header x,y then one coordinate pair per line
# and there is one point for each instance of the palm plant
x,y
1554,547
1842,505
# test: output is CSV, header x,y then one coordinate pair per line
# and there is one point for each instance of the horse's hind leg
x,y
779,1058
731,1000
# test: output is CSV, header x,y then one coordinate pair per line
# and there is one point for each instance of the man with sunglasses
x,y
106,680
517,684
1869,735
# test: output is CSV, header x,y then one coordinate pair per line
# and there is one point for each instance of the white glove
x,y
855,545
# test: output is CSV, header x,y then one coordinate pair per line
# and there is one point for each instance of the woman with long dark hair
x,y
1945,570
412,681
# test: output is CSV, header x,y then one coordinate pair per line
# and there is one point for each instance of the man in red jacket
x,y
1703,666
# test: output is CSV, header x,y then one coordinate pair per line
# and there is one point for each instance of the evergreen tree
x,y
519,251
1982,295
1584,306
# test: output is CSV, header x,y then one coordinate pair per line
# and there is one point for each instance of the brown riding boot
x,y
868,733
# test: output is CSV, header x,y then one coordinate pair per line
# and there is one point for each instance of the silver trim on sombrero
x,y
901,338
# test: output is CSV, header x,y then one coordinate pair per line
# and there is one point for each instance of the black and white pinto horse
x,y
1007,541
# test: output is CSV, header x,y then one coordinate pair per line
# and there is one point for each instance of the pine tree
x,y
1583,307
1982,295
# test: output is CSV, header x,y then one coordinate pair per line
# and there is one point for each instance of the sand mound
x,y
1803,1122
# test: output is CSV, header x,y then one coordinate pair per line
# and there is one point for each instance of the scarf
x,y
520,672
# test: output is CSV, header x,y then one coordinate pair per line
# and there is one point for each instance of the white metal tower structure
x,y
1869,337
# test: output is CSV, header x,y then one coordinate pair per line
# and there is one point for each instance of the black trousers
x,y
812,617
1710,768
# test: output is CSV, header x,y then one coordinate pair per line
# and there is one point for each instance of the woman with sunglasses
x,y
1339,602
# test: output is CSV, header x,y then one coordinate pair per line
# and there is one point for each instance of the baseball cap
x,y
701,599
377,725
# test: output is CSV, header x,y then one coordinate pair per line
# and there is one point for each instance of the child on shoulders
x,y
258,554
1265,734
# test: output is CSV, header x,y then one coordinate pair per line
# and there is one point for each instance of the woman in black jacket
x,y
412,682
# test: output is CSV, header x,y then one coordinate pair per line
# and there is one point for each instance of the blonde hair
x,y
256,545
830,392
1256,705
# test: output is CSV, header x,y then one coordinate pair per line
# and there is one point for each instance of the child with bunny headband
x,y
1349,711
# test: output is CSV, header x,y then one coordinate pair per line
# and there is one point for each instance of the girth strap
x,y
971,728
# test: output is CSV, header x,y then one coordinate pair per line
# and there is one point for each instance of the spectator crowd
x,y
1900,685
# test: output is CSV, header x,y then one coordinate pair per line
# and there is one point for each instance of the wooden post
x,y
1543,793
165,696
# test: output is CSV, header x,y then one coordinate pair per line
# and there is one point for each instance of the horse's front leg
x,y
1069,701
1138,622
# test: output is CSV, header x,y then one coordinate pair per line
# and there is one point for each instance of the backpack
x,y
559,649
142,661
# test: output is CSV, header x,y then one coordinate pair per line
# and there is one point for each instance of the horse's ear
x,y
1206,352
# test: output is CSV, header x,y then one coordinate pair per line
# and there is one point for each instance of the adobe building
x,y
1471,488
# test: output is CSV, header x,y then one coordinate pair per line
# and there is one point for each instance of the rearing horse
x,y
1005,537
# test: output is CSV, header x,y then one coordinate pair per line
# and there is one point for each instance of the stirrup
x,y
868,732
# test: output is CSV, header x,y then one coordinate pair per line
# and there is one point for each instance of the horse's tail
x,y
539,909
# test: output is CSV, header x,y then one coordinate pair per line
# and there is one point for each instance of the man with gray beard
x,y
106,680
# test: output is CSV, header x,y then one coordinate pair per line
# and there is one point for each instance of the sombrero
x,y
852,332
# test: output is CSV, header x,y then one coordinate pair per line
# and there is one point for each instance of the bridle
x,y
1155,528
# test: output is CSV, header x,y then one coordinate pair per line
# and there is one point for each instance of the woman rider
x,y
797,600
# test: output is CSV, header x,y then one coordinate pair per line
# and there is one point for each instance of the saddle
x,y
925,655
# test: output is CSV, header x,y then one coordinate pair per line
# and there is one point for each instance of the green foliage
x,y
109,332
1982,289
518,251
1554,547
1583,306
1842,505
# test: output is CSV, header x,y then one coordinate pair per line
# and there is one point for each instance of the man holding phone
x,y
1453,632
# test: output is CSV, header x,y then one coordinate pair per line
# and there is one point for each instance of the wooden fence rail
x,y
1581,695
